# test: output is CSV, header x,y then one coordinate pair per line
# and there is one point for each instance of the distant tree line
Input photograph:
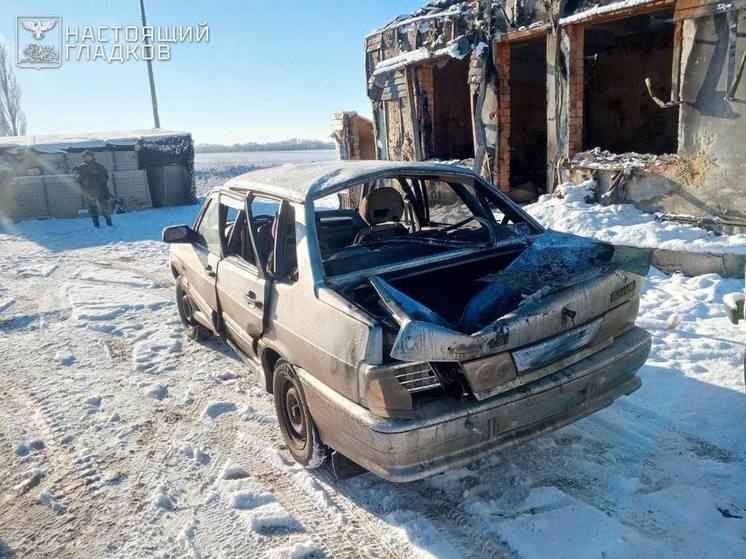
x,y
292,144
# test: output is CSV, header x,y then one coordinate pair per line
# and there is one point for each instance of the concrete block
x,y
126,160
64,198
25,198
698,263
168,185
132,188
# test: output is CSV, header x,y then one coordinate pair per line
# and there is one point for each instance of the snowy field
x,y
119,437
213,169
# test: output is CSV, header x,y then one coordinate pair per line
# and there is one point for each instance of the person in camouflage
x,y
92,178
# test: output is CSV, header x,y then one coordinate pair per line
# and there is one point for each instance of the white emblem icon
x,y
38,42
38,28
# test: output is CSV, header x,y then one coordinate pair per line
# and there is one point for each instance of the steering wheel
x,y
463,222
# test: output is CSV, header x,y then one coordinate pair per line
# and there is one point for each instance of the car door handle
x,y
250,298
210,271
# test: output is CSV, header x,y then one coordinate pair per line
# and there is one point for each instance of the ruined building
x,y
645,96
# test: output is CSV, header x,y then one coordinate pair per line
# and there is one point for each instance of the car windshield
x,y
400,218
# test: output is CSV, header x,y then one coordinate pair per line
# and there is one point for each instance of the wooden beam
x,y
524,34
621,13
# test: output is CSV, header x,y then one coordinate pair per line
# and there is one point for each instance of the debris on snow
x,y
64,357
216,409
583,192
93,401
673,320
225,377
232,472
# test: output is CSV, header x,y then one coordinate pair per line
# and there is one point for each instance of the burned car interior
x,y
396,219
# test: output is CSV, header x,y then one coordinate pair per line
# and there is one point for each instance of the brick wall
x,y
502,159
576,91
424,76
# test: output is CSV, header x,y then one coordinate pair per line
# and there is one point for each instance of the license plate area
x,y
543,353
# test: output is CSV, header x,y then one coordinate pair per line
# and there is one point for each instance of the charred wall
x,y
712,173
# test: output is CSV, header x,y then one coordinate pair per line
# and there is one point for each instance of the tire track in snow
x,y
336,528
446,516
457,528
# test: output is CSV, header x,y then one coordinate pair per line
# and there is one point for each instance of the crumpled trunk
x,y
555,285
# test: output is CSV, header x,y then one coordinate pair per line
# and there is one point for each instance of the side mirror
x,y
177,234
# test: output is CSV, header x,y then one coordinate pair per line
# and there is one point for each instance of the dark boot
x,y
108,221
93,212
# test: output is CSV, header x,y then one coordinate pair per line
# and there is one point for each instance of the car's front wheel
x,y
297,426
192,328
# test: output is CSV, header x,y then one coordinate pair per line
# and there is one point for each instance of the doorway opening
x,y
452,136
619,113
528,115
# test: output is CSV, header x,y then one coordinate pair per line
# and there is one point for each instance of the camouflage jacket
x,y
92,178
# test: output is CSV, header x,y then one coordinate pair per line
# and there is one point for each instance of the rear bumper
x,y
447,434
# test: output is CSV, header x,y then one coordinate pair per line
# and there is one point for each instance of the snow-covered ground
x,y
119,437
623,224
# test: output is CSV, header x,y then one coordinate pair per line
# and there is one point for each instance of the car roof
x,y
300,182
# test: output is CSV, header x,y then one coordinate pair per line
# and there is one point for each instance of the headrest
x,y
382,205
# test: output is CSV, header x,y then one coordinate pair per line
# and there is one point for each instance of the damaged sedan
x,y
407,317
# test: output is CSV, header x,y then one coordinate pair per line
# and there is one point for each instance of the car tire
x,y
296,424
192,328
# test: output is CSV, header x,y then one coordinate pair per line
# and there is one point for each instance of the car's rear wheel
x,y
296,424
192,328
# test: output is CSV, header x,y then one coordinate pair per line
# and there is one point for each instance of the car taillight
x,y
418,380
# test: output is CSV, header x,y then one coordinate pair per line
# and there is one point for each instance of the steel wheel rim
x,y
186,304
294,420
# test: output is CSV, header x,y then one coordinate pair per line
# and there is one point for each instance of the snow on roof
x,y
304,181
453,49
57,143
603,9
432,10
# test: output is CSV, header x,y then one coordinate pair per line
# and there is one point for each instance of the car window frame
x,y
239,203
250,196
286,215
213,199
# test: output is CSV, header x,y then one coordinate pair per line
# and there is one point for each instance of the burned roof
x,y
432,9
301,182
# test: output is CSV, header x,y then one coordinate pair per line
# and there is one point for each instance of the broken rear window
x,y
402,218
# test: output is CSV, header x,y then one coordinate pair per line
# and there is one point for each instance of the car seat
x,y
382,209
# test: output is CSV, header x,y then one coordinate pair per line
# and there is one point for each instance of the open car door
x,y
199,261
243,284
